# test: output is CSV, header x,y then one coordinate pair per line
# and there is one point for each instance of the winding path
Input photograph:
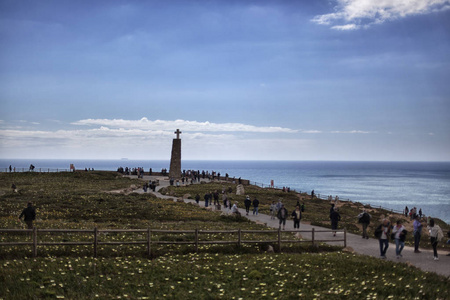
x,y
359,245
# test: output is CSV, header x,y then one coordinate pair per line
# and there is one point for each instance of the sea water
x,y
392,185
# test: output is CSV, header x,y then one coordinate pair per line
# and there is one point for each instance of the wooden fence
x,y
34,243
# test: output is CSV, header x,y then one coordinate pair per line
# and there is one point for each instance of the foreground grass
x,y
216,276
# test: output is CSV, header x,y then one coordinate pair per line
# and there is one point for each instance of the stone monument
x,y
175,159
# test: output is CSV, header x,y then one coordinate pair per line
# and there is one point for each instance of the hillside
x,y
79,200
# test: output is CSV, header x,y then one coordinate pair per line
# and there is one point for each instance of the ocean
x,y
392,185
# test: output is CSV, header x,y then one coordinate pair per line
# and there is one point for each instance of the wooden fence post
x,y
312,236
239,238
279,239
34,241
196,240
95,242
149,241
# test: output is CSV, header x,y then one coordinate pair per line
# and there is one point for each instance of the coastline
x,y
392,185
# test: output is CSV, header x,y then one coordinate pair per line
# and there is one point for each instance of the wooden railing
x,y
149,242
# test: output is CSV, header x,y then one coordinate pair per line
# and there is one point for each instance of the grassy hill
x,y
80,200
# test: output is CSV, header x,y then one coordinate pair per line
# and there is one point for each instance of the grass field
x,y
79,200
218,276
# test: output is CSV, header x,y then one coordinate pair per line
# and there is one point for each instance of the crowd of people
x,y
413,213
385,232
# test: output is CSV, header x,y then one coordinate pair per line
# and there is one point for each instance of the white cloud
x,y
352,131
112,143
311,131
194,126
356,14
346,27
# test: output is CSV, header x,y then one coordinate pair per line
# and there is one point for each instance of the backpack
x,y
403,235
378,232
365,218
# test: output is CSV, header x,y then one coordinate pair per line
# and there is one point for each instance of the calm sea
x,y
393,185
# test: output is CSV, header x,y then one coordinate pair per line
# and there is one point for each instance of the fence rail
x,y
149,242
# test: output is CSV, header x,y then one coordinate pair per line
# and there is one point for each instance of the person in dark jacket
x,y
364,219
207,198
282,216
382,232
29,215
335,217
297,215
216,197
255,206
247,203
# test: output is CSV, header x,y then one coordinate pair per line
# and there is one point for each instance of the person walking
x,y
197,198
247,203
255,206
297,215
436,235
399,233
382,233
216,198
335,217
417,226
227,204
282,216
29,214
273,210
364,219
207,198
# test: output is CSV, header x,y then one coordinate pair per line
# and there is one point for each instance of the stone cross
x,y
178,133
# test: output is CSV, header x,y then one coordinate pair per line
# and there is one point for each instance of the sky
x,y
243,80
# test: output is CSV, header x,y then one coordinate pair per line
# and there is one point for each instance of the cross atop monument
x,y
178,132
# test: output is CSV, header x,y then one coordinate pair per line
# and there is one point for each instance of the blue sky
x,y
276,80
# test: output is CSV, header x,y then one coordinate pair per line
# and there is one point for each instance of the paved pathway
x,y
369,246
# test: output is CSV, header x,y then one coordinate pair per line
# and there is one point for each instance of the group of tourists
x,y
248,203
139,171
149,185
385,232
279,211
413,213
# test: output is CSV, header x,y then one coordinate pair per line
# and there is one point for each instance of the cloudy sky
x,y
266,79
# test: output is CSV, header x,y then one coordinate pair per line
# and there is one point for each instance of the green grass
x,y
77,200
219,276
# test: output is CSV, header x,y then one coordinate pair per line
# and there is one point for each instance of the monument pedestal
x,y
175,159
